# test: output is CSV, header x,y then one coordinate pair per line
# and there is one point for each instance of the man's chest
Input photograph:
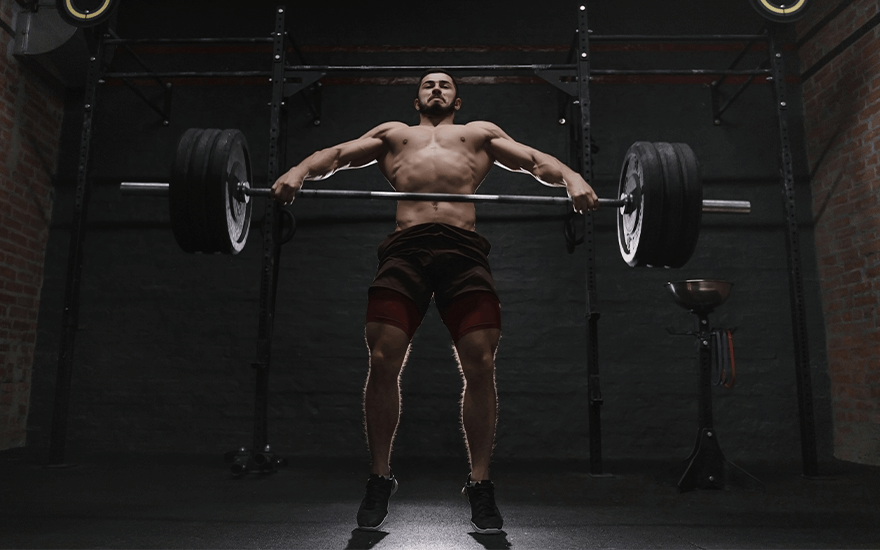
x,y
449,138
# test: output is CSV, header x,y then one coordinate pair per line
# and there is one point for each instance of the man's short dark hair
x,y
438,70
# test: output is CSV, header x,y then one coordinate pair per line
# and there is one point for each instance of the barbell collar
x,y
159,189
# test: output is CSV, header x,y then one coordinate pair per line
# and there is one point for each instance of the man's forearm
x,y
553,172
319,165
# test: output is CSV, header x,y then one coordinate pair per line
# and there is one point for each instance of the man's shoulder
x,y
389,126
383,129
483,126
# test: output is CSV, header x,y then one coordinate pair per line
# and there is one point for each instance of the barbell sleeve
x,y
161,189
726,206
154,189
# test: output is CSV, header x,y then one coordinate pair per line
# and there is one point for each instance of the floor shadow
x,y
362,540
492,542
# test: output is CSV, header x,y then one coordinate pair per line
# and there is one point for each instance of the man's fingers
x,y
283,192
584,203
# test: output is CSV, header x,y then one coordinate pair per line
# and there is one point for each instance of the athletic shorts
x,y
435,260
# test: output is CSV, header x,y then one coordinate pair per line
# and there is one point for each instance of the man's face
x,y
437,95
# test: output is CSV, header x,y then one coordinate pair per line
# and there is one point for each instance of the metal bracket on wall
x,y
165,110
714,88
565,80
299,81
307,85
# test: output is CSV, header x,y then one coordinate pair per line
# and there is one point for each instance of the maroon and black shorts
x,y
435,260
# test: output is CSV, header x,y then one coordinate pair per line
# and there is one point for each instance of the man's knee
x,y
385,360
388,346
476,353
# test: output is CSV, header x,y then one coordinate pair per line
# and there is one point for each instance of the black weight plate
x,y
228,216
673,205
653,191
85,13
238,207
654,203
638,230
215,189
781,11
199,166
692,215
629,219
178,193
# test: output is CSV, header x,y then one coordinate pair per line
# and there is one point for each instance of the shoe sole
x,y
377,527
490,531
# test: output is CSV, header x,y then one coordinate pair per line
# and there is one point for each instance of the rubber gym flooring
x,y
192,501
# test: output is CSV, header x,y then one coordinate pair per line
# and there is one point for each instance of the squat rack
x,y
571,78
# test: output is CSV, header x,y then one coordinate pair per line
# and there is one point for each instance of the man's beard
x,y
436,109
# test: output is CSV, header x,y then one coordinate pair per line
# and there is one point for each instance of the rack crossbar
x,y
138,41
190,74
676,38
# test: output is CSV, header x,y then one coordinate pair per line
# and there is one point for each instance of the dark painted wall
x,y
167,339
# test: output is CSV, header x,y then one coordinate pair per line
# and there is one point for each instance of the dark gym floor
x,y
189,501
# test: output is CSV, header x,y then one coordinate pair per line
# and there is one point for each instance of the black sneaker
x,y
374,507
485,516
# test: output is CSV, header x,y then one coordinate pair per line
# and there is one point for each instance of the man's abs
x,y
447,159
458,214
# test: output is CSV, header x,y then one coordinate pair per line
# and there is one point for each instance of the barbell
x,y
659,205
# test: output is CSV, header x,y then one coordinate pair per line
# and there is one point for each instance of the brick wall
x,y
842,118
31,111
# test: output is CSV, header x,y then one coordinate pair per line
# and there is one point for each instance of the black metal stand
x,y
70,317
594,391
795,273
261,458
706,466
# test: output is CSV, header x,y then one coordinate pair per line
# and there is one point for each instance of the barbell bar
x,y
659,206
160,189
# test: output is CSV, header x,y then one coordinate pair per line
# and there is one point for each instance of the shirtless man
x,y
434,252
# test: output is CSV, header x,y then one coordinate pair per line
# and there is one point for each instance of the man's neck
x,y
426,120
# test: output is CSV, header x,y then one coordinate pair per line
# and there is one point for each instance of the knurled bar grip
x,y
161,189
442,197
